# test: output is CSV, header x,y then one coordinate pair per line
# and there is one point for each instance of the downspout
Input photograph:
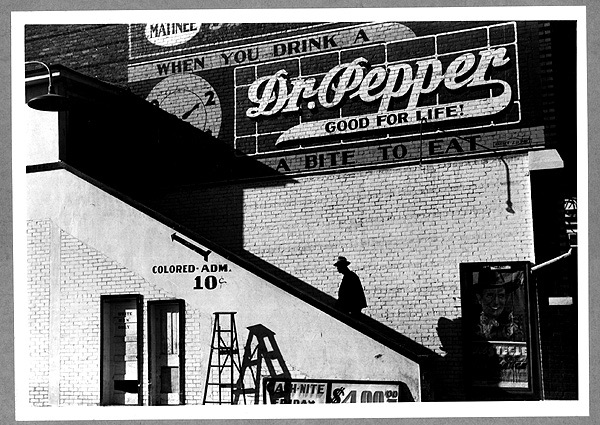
x,y
554,260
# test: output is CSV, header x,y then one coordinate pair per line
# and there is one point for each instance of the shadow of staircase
x,y
287,282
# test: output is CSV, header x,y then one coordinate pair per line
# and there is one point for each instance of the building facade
x,y
210,174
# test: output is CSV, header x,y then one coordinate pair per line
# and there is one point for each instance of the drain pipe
x,y
509,204
554,260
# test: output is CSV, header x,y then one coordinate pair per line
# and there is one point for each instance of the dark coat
x,y
351,297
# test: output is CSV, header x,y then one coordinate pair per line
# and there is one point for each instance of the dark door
x,y
165,326
121,354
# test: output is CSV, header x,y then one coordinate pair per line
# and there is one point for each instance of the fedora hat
x,y
490,279
341,261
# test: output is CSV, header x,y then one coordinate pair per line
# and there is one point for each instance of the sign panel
x,y
207,275
392,87
171,34
341,96
395,150
499,315
275,50
157,39
310,391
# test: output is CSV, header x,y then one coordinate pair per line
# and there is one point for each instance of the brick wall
x,y
38,284
405,230
85,275
99,51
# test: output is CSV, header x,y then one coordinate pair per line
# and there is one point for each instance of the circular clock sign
x,y
191,98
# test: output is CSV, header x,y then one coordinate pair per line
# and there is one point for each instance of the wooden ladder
x,y
223,362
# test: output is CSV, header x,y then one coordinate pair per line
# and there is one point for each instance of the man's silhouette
x,y
351,297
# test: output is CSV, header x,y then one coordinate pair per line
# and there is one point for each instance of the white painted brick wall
x,y
85,276
406,230
38,283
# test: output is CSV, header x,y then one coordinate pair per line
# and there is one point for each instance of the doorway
x,y
166,352
121,362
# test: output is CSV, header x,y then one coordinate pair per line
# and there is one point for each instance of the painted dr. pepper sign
x,y
367,84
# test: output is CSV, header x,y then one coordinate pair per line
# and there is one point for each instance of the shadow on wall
x,y
133,148
188,217
485,367
450,365
360,322
215,211
263,363
198,182
387,336
262,358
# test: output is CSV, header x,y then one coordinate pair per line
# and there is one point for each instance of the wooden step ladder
x,y
223,362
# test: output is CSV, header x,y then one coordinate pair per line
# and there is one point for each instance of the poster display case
x,y
500,340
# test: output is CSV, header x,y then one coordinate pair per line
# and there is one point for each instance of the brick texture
x,y
38,280
406,230
85,276
99,51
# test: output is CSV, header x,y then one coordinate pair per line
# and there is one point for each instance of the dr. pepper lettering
x,y
272,94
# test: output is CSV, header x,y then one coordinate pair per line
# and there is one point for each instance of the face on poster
x,y
498,328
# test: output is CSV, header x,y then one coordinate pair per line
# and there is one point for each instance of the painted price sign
x,y
301,391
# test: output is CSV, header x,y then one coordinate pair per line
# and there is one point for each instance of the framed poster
x,y
500,331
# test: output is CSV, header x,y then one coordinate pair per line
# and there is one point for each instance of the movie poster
x,y
500,356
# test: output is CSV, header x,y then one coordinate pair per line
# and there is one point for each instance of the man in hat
x,y
496,322
351,297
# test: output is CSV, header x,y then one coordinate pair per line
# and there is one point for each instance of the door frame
x,y
531,304
139,306
152,305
